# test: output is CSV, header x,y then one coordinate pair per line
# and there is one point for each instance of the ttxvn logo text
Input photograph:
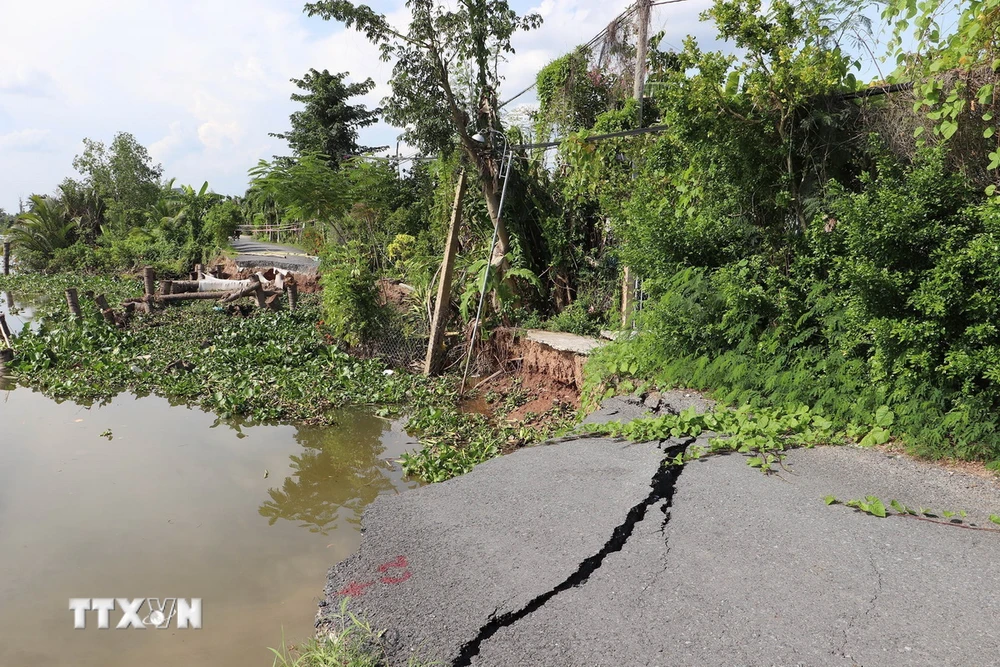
x,y
140,613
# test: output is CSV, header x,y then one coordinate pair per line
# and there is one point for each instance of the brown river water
x,y
175,504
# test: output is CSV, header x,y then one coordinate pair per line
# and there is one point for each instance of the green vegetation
x,y
873,506
761,434
796,252
799,239
351,642
263,367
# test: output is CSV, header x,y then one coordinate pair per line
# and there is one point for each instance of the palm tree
x,y
45,228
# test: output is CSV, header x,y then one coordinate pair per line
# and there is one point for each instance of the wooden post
x,y
435,347
293,291
5,330
73,301
6,258
193,296
106,312
259,293
628,297
246,291
638,92
166,287
197,272
149,282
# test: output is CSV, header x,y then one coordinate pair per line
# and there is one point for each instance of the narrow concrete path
x,y
259,254
588,552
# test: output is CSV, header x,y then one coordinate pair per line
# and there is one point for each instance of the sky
x,y
200,83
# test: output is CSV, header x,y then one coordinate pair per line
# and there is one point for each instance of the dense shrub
x,y
891,298
350,297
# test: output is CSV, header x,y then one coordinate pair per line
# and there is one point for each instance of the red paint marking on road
x,y
400,561
354,589
397,580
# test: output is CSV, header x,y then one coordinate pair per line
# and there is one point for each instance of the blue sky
x,y
200,83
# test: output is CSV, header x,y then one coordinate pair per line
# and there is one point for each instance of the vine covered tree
x,y
445,80
328,125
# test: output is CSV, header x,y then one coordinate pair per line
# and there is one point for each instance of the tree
x,y
302,189
123,175
83,202
445,80
41,231
329,125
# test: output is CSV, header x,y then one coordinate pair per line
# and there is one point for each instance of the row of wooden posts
x,y
172,291
7,352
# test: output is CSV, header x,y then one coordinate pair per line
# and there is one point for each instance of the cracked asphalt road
x,y
582,553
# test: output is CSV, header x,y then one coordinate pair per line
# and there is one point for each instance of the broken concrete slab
x,y
676,401
439,563
564,342
618,409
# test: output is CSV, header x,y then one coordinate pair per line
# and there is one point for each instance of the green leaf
x,y
995,519
876,507
884,416
988,132
946,514
898,506
830,500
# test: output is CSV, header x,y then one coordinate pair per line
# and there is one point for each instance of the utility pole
x,y
641,46
638,87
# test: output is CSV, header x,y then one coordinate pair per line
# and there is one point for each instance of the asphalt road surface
x,y
588,552
260,254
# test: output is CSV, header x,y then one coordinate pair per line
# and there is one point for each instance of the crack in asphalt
x,y
866,613
662,488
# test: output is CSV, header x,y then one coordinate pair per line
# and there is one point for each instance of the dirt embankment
x,y
533,380
227,268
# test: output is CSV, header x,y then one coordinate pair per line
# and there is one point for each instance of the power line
x,y
596,137
598,37
593,40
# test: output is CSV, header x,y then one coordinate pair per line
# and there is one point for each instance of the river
x,y
142,498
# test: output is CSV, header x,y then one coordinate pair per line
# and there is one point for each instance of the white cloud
x,y
202,83
162,149
215,134
25,140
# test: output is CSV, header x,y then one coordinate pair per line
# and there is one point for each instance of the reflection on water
x,y
174,504
18,313
314,496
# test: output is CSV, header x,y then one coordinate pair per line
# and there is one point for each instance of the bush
x,y
221,223
350,297
889,297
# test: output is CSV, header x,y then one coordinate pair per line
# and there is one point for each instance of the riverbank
x,y
263,366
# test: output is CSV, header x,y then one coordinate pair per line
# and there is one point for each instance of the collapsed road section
x,y
565,554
